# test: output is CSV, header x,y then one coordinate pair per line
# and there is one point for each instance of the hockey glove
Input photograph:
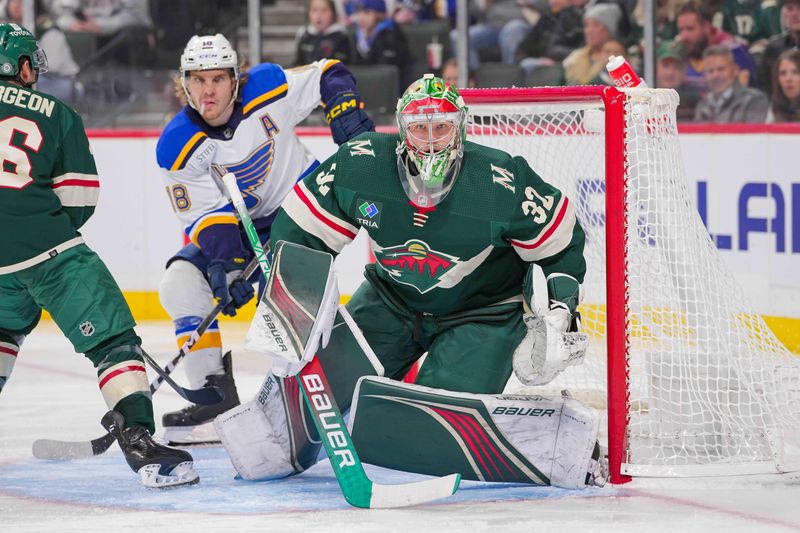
x,y
552,342
233,293
546,351
346,117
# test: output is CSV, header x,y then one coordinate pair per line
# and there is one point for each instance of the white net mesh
x,y
711,389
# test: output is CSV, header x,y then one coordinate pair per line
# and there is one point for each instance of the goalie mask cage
x,y
692,380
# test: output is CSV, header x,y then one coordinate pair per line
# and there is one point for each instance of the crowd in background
x,y
730,60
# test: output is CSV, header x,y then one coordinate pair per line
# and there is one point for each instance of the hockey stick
x,y
61,450
356,487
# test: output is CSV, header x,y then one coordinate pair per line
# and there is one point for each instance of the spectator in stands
x,y
59,80
785,106
727,100
600,23
379,41
696,33
666,13
450,74
324,37
671,74
612,47
624,26
124,26
410,11
789,39
502,25
346,9
753,21
557,33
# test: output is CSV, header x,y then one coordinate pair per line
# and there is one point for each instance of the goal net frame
x,y
615,125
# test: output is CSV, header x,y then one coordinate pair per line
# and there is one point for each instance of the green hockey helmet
x,y
17,43
432,121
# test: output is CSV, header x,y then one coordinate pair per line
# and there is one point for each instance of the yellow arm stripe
x,y
210,221
194,141
329,64
210,339
266,96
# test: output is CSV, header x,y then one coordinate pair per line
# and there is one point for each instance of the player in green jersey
x,y
48,190
479,263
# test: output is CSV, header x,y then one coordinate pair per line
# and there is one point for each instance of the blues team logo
x,y
415,263
369,214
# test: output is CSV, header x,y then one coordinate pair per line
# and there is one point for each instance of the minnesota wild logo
x,y
415,263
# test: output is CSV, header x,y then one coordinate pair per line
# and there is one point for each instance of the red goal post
x,y
692,380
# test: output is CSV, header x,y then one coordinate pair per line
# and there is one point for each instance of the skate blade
x,y
182,474
188,435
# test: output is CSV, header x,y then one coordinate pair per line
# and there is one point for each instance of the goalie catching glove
x,y
552,341
295,316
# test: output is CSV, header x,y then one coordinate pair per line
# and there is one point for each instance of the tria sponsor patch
x,y
369,213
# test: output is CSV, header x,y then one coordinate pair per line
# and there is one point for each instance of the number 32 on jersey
x,y
536,205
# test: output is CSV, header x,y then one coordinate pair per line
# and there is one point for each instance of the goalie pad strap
x,y
523,439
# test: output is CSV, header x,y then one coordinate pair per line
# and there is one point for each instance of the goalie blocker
x,y
295,316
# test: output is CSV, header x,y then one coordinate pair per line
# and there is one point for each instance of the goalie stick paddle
x,y
357,488
63,450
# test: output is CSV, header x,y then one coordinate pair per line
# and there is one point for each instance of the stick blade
x,y
56,450
60,450
390,496
204,396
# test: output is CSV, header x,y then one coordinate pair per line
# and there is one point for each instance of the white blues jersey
x,y
258,144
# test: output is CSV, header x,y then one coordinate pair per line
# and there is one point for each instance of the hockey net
x,y
692,380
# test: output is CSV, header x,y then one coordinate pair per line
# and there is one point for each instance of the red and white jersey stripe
x,y
304,209
121,380
8,356
77,190
552,237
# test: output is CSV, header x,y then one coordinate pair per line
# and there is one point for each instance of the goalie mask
x,y
432,121
16,44
209,52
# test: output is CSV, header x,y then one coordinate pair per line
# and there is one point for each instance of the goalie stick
x,y
62,450
357,488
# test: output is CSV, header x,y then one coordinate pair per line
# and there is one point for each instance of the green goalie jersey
x,y
469,251
48,180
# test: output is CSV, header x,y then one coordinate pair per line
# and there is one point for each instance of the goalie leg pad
x,y
256,435
274,435
523,439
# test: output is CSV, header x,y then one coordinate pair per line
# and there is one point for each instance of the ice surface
x,y
53,394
